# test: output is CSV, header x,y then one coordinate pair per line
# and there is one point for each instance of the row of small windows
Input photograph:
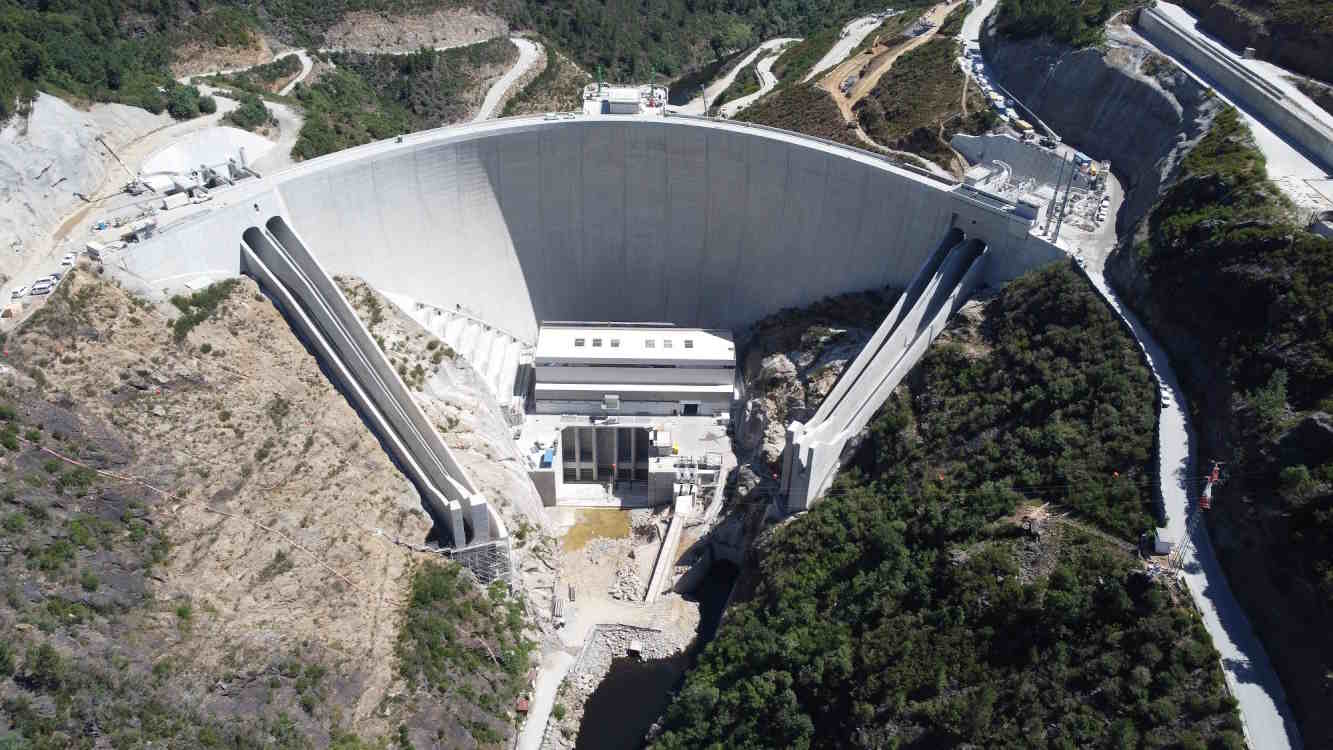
x,y
648,343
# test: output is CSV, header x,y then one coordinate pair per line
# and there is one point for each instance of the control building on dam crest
x,y
692,221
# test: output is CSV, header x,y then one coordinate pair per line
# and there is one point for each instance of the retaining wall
x,y
1262,98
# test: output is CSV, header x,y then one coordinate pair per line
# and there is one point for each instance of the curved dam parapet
x,y
695,221
692,221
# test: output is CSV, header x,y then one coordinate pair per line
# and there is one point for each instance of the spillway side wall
x,y
605,220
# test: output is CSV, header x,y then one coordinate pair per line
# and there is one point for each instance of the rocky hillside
x,y
1213,263
1295,34
1144,116
912,608
791,361
197,540
1239,296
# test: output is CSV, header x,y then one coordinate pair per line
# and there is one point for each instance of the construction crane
x,y
1177,558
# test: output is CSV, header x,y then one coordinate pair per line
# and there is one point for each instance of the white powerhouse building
x,y
627,368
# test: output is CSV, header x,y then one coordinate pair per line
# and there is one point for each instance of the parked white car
x,y
68,259
18,292
42,286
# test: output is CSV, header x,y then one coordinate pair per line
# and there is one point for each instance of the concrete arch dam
x,y
695,221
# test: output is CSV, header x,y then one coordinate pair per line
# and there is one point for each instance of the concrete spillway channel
x,y
282,264
815,448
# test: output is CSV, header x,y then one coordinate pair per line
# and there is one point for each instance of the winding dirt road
x,y
529,53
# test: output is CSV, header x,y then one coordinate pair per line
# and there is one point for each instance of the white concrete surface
x,y
815,448
851,37
699,222
529,53
209,146
1290,163
974,21
767,81
555,665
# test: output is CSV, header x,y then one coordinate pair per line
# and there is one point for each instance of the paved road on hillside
x,y
528,54
767,81
1248,672
852,35
699,105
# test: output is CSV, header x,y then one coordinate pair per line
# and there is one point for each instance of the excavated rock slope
x,y
256,592
791,361
1121,102
52,156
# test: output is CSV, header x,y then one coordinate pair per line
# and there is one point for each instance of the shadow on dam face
x,y
703,223
628,220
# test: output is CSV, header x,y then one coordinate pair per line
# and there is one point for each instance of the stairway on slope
x,y
503,360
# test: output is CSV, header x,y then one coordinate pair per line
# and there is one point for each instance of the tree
x,y
183,102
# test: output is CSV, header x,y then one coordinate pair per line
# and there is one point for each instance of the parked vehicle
x,y
18,292
42,286
68,259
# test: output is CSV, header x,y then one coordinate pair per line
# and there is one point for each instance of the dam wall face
x,y
628,221
690,221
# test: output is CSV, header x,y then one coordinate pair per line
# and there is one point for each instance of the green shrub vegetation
x,y
1229,265
250,113
371,97
670,37
465,644
199,306
804,108
746,82
902,612
79,48
916,106
557,88
1079,23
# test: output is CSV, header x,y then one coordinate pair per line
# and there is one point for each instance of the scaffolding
x,y
489,561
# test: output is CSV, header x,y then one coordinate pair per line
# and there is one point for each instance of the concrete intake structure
x,y
281,263
699,222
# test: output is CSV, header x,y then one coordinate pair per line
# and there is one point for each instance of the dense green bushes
x,y
746,82
372,97
897,612
1078,23
464,645
250,113
1240,290
78,48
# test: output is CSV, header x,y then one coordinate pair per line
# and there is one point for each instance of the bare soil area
x,y
369,31
194,505
200,57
